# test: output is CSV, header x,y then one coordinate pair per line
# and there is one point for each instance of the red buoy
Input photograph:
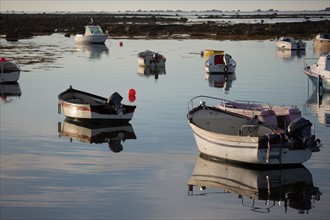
x,y
131,92
121,43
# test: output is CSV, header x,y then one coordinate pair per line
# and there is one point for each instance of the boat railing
x,y
192,102
307,61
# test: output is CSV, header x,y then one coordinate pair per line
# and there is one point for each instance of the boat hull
x,y
9,72
244,149
317,79
93,39
82,106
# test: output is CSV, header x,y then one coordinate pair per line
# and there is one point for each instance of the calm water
x,y
45,175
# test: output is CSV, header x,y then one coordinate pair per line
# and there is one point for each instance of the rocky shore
x,y
19,26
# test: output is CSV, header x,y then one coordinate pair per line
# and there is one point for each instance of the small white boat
x,y
233,136
220,63
9,71
82,106
97,133
151,59
289,43
289,188
319,72
93,35
322,39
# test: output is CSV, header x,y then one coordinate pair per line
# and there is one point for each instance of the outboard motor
x,y
115,99
300,131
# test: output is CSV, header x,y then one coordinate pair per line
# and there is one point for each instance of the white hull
x,y
244,149
9,71
288,43
93,39
319,72
9,77
220,64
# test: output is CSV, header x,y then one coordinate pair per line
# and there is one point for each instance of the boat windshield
x,y
94,30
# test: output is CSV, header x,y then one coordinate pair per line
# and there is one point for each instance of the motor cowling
x,y
300,131
115,99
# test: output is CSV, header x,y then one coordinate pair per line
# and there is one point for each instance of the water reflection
x,y
93,51
151,71
321,49
97,133
221,80
259,190
319,102
10,92
288,55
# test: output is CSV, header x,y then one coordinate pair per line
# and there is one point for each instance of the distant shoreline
x,y
154,26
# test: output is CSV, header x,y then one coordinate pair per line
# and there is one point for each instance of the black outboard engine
x,y
115,99
300,131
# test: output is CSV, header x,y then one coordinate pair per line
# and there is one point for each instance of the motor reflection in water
x,y
263,188
9,91
97,133
93,51
221,80
319,103
149,71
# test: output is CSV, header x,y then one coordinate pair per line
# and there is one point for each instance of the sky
x,y
134,5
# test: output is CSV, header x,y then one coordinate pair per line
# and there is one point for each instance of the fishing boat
x,y
9,71
93,35
319,72
79,105
151,59
220,63
289,43
263,137
322,39
209,52
259,190
97,133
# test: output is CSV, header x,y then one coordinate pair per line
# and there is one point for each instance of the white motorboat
x,y
319,72
82,106
93,35
151,59
322,39
258,189
97,133
9,71
220,63
289,43
223,133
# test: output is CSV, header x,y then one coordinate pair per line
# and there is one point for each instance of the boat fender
x,y
115,99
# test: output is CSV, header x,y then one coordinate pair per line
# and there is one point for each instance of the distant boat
x,y
289,43
9,71
151,59
246,134
97,133
209,52
319,72
257,189
93,35
322,39
82,106
220,63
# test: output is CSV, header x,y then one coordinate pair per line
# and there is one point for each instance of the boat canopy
x,y
91,29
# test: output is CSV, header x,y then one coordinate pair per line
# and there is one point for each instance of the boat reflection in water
x,y
319,50
93,51
220,80
319,103
264,189
97,133
290,54
151,71
9,91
